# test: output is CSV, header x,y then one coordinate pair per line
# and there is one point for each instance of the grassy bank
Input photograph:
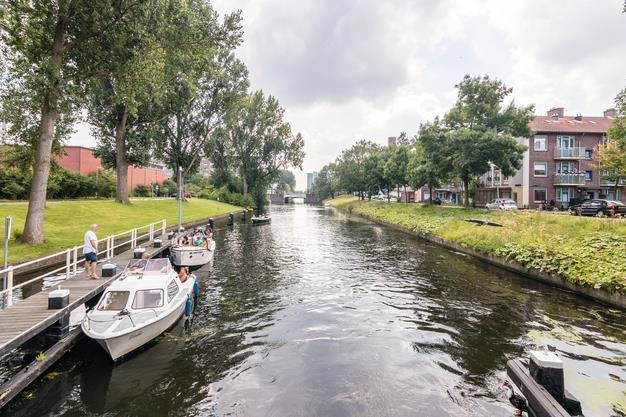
x,y
66,222
588,252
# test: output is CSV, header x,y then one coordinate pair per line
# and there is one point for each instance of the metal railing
x,y
611,183
569,179
73,257
574,153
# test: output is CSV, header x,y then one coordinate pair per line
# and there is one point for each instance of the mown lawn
x,y
587,251
66,222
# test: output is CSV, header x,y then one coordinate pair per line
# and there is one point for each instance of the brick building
x,y
82,160
558,165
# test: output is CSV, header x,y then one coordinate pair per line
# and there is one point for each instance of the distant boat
x,y
146,300
261,219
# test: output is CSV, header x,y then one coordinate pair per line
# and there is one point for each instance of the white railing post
x,y
10,286
68,263
151,232
110,244
75,268
164,227
133,234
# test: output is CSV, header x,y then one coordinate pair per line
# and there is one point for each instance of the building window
x,y
541,169
541,143
589,153
588,175
565,141
540,195
564,195
569,167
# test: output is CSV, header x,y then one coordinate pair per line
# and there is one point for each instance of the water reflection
x,y
320,314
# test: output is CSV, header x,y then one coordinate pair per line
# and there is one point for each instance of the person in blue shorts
x,y
90,250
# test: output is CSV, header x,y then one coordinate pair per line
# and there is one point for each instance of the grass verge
x,y
66,222
588,252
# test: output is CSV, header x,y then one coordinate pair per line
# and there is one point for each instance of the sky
x,y
346,70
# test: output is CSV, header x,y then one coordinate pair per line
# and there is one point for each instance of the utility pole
x,y
179,195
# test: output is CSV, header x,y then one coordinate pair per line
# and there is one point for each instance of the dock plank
x,y
27,318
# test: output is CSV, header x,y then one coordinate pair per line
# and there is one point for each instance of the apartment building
x,y
559,164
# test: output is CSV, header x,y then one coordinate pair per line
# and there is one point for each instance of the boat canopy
x,y
161,265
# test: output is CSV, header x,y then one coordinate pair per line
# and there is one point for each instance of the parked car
x,y
501,204
601,208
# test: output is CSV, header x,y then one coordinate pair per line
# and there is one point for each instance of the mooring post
x,y
151,231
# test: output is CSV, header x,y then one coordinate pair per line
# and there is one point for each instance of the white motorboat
x,y
147,299
192,256
261,219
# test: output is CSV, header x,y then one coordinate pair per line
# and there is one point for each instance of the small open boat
x,y
146,300
192,256
263,219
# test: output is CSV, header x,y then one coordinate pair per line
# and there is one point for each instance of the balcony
x,y
611,183
570,153
569,179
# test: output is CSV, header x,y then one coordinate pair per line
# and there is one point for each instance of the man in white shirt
x,y
90,250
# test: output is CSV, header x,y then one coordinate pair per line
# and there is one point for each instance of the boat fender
x,y
196,289
188,307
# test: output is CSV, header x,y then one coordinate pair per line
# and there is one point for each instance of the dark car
x,y
600,208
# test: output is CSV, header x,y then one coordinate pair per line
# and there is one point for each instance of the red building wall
x,y
80,159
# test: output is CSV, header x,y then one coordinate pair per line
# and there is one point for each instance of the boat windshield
x,y
148,265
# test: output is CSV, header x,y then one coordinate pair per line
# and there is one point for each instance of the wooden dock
x,y
28,318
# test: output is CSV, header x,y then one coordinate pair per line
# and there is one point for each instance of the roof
x,y
569,124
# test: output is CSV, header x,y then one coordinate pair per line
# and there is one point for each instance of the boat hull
x,y
195,257
122,345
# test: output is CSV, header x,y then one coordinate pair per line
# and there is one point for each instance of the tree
x,y
611,156
396,165
286,181
325,184
205,84
403,139
130,63
262,144
351,171
39,36
430,165
374,176
482,130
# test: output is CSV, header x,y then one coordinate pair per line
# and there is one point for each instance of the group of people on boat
x,y
198,237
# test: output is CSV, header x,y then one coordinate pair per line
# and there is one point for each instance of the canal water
x,y
323,314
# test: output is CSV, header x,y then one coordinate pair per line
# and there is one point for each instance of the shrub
x,y
142,191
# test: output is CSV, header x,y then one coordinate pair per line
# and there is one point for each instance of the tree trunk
x,y
466,193
430,195
121,164
33,228
245,184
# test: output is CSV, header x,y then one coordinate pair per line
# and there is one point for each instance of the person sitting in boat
x,y
140,265
197,240
205,243
185,241
183,274
209,233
